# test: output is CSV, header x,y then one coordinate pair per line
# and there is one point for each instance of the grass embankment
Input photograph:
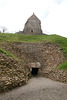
x,y
62,41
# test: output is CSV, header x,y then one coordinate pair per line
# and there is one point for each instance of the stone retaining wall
x,y
13,73
49,55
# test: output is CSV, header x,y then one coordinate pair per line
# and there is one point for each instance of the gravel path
x,y
38,88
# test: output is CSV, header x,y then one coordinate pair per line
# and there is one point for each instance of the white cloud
x,y
58,1
3,3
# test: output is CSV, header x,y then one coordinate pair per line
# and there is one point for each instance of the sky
x,y
52,13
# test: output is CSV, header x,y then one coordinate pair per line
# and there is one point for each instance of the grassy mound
x,y
13,71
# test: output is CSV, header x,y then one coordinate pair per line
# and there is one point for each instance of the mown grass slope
x,y
62,41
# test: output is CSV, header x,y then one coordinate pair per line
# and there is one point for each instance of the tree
x,y
3,29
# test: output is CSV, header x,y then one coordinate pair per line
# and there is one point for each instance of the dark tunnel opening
x,y
34,71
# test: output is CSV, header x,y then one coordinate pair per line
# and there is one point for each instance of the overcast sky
x,y
52,13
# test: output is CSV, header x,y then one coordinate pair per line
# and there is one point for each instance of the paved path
x,y
38,88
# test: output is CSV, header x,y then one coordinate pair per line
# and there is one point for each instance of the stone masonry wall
x,y
48,54
13,73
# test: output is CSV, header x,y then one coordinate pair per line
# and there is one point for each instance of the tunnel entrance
x,y
34,68
34,71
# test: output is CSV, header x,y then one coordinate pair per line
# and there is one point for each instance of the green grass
x,y
31,38
63,66
62,41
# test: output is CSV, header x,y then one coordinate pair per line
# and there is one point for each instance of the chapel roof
x,y
34,17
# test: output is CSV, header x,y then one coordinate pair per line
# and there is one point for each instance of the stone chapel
x,y
32,26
